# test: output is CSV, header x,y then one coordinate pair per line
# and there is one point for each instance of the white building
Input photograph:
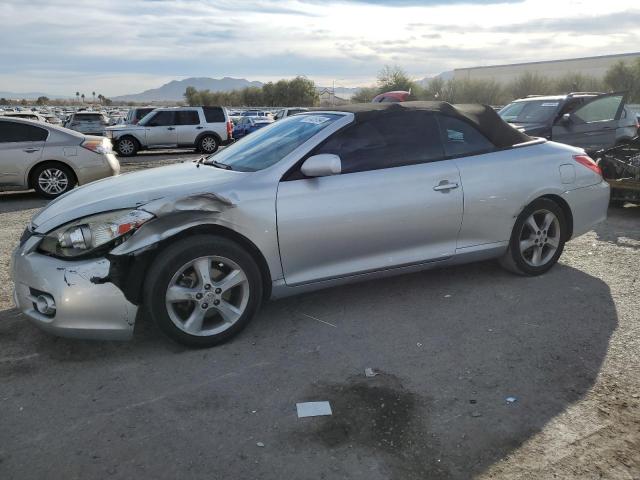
x,y
590,66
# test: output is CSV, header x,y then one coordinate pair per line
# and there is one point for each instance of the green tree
x,y
624,77
78,96
530,83
394,78
364,95
42,100
577,82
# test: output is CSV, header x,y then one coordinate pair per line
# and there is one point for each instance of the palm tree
x,y
78,97
94,96
82,97
100,97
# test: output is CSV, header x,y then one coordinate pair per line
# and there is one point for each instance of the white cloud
x,y
125,46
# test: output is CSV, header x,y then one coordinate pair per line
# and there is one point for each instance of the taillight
x,y
102,145
588,162
229,128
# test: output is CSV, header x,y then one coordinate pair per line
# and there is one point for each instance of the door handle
x,y
31,150
170,128
445,186
199,128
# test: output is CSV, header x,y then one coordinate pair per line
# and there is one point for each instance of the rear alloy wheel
x,y
126,147
208,144
53,180
537,239
203,290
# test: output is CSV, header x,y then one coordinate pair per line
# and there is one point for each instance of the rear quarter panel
x,y
497,186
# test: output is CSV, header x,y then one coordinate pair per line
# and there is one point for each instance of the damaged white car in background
x,y
315,200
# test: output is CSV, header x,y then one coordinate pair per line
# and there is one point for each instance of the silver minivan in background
x,y
51,159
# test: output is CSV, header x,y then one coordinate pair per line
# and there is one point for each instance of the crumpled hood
x,y
132,190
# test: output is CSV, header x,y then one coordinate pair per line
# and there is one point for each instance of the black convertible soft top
x,y
483,117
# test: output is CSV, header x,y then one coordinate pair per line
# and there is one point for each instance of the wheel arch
x,y
131,268
209,132
566,209
30,179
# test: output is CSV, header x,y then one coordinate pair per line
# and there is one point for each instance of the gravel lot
x,y
451,346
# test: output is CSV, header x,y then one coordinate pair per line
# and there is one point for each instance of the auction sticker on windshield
x,y
315,119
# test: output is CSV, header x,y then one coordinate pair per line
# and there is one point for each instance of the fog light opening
x,y
45,304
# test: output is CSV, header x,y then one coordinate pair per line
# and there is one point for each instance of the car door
x,y
397,202
21,146
160,129
188,126
593,125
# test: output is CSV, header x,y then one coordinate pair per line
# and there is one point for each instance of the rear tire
x,y
51,180
537,239
127,146
203,290
208,144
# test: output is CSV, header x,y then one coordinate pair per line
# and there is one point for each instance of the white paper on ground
x,y
313,409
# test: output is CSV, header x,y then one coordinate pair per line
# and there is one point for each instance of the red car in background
x,y
392,97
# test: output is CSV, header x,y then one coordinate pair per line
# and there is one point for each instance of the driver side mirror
x,y
323,165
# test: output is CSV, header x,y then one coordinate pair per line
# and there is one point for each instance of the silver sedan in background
x,y
311,201
51,159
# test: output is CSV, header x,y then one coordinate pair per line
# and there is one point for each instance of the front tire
x,y
203,290
537,239
208,144
127,146
53,179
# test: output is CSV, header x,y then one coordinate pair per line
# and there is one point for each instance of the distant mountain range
x,y
174,90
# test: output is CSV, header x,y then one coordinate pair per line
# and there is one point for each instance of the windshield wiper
x,y
201,161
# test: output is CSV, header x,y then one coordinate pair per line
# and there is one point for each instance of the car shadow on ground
x,y
626,227
450,346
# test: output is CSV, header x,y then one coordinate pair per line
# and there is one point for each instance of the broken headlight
x,y
90,233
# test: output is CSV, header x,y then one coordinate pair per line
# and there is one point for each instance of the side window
x,y
600,110
188,117
162,119
19,132
387,141
213,114
461,138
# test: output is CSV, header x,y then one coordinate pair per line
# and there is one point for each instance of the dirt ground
x,y
451,345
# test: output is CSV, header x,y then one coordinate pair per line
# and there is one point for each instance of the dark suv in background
x,y
589,120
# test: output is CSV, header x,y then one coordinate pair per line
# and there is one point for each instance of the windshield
x,y
270,144
530,111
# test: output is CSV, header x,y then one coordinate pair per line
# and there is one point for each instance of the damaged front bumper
x,y
84,304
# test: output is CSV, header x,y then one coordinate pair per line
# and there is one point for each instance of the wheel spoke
x,y
194,322
536,258
532,224
233,279
526,244
553,242
548,220
203,269
176,293
228,312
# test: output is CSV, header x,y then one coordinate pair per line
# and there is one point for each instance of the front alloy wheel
x,y
208,295
203,290
126,147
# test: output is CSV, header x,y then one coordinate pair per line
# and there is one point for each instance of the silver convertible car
x,y
315,200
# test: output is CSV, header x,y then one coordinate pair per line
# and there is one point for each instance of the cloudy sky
x,y
125,46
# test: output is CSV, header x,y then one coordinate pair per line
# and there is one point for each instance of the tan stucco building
x,y
591,66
